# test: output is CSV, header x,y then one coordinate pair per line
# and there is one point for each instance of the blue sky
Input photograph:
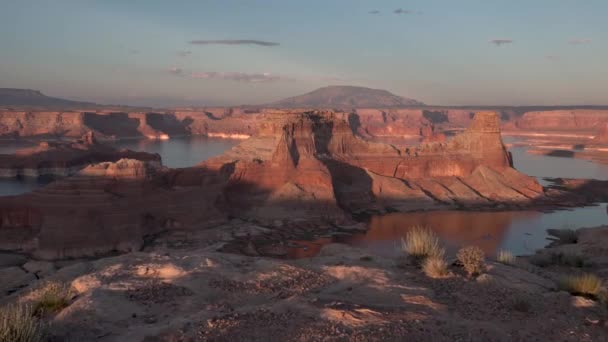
x,y
140,52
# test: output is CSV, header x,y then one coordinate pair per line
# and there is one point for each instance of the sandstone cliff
x,y
302,169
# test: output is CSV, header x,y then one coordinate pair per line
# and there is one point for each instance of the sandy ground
x,y
182,289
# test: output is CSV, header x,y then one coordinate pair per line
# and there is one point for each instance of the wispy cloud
x,y
176,71
402,11
229,76
184,53
580,41
234,42
374,12
238,76
499,42
552,57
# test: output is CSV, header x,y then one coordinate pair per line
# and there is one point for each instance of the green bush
x,y
18,324
585,284
421,242
563,236
435,267
472,259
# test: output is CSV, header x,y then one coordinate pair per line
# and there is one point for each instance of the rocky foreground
x,y
182,289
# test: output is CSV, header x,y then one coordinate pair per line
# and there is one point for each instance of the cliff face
x,y
305,169
581,120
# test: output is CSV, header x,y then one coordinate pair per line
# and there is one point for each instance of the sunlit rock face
x,y
602,135
304,168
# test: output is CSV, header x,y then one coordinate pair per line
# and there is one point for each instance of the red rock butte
x,y
301,168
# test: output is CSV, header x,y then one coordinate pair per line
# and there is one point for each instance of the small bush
x,y
421,242
586,285
18,324
52,297
435,267
472,258
366,258
505,257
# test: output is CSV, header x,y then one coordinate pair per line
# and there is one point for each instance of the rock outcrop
x,y
302,169
602,135
64,158
563,120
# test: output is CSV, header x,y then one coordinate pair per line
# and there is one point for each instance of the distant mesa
x,y
29,97
346,97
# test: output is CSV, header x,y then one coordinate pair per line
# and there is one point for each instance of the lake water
x,y
175,153
181,152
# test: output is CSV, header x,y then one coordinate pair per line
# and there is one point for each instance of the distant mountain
x,y
11,97
346,97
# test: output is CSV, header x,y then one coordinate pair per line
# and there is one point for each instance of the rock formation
x,y
345,97
64,158
301,169
602,135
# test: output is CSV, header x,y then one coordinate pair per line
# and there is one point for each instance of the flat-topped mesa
x,y
483,141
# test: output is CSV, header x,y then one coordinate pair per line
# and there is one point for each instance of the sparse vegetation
x,y
18,324
435,267
472,259
366,258
586,284
421,242
52,297
505,257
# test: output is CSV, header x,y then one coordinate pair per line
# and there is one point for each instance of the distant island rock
x,y
346,97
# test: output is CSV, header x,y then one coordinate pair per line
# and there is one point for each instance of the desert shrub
x,y
52,297
366,258
435,267
505,257
585,284
563,236
472,259
421,242
18,324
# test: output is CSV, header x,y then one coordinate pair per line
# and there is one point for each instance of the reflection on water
x,y
181,152
521,232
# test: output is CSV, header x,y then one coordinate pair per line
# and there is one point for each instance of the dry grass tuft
x,y
586,285
506,257
52,297
19,324
421,242
473,259
435,267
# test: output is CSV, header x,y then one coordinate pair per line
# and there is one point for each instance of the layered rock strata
x,y
300,169
64,158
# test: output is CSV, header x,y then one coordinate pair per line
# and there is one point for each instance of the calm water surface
x,y
177,152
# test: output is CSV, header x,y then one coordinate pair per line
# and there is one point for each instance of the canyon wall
x,y
242,123
301,170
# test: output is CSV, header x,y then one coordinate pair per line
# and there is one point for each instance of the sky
x,y
228,52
